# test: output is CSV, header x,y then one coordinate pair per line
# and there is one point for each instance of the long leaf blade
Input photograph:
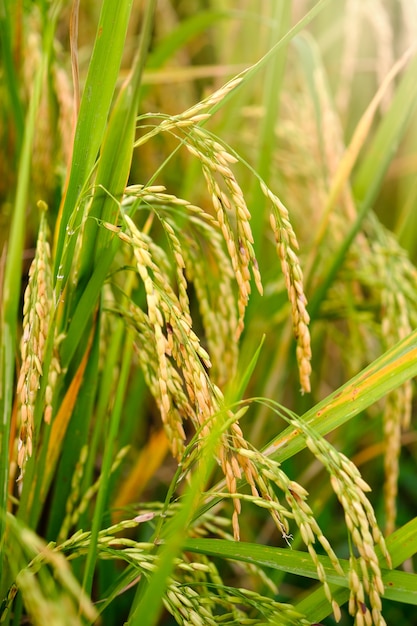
x,y
399,586
94,109
386,373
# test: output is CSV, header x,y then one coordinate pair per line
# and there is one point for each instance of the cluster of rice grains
x,y
176,366
270,473
233,219
231,212
369,277
365,579
174,362
195,593
287,244
377,279
37,306
394,285
169,316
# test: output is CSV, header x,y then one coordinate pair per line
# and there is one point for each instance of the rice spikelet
x,y
233,216
287,243
350,490
269,471
37,307
194,247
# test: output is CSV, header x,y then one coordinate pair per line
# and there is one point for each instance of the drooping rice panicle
x,y
171,327
234,221
231,212
201,244
227,198
191,607
287,244
168,332
269,472
376,265
195,593
350,489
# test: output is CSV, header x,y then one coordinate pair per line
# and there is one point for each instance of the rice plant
x,y
208,312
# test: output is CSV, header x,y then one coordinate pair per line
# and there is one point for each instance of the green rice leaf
x,y
92,119
399,586
388,372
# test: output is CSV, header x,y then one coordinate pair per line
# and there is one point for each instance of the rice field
x,y
208,299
